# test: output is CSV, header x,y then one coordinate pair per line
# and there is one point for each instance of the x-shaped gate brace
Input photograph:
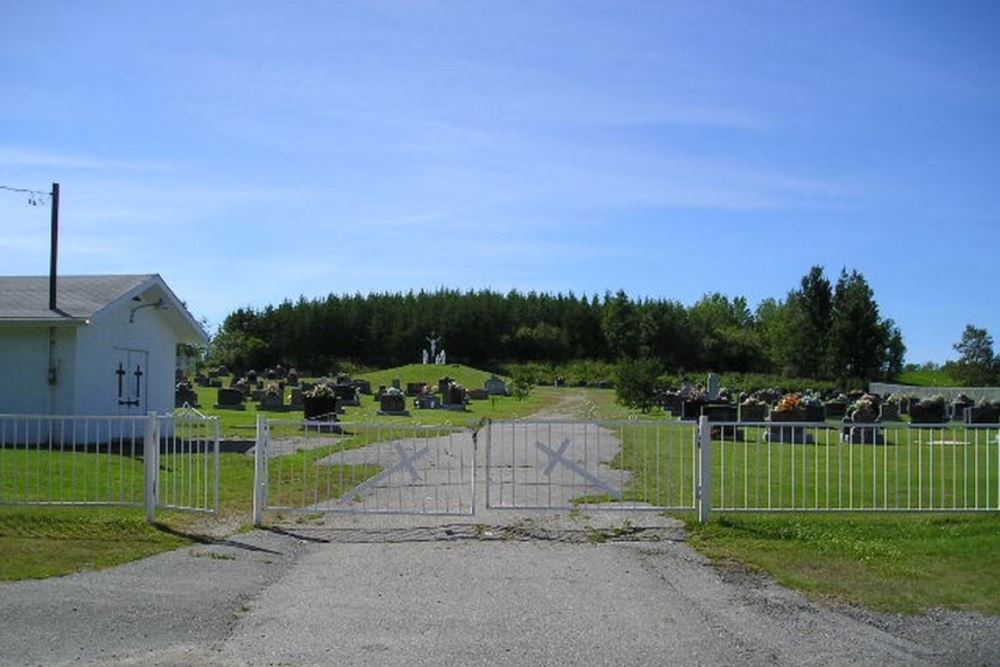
x,y
556,457
405,463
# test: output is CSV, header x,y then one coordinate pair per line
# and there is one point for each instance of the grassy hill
x,y
927,378
468,377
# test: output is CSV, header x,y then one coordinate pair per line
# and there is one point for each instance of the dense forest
x,y
818,330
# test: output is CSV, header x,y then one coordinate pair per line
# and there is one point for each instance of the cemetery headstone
x,y
495,386
889,411
713,386
393,402
229,399
271,401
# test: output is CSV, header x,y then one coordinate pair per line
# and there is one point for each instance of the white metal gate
x,y
304,466
632,465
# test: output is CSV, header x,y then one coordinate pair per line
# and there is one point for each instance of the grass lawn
x,y
43,542
889,562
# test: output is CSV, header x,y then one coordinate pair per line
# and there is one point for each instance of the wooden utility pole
x,y
55,246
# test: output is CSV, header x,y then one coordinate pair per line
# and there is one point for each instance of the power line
x,y
35,197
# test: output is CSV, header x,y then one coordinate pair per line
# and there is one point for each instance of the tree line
x,y
818,330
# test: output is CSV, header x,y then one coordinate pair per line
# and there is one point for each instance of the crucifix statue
x,y
433,340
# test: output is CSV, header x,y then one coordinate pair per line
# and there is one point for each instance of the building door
x,y
129,380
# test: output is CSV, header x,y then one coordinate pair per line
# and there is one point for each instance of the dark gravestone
x,y
672,403
719,412
815,413
319,408
982,414
271,402
414,388
691,408
889,412
229,399
752,413
478,394
346,394
722,412
186,396
392,403
454,396
836,409
923,413
443,385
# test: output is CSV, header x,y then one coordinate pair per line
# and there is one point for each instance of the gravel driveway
x,y
607,588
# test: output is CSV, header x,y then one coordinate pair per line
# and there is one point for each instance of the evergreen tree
x,y
977,364
857,335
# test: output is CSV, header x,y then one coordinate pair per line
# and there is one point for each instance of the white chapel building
x,y
109,347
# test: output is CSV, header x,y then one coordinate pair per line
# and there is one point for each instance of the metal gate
x,y
635,465
305,466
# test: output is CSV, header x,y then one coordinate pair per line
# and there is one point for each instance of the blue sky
x,y
255,151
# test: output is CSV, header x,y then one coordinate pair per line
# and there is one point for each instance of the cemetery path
x,y
403,590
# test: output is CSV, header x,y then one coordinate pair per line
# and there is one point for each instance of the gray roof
x,y
26,298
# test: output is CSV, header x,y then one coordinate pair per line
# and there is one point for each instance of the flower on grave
x,y
863,409
811,401
393,391
321,390
933,402
790,403
272,389
753,401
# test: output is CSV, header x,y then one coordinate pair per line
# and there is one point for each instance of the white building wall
x,y
24,369
100,346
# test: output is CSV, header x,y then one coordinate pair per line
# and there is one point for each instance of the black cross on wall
x,y
121,377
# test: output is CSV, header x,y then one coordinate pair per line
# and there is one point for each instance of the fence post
x,y
215,455
705,466
260,471
151,458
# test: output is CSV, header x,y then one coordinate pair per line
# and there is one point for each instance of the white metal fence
x,y
304,466
860,467
75,460
635,465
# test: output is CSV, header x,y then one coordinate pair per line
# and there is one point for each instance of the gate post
x,y
151,459
260,471
705,466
